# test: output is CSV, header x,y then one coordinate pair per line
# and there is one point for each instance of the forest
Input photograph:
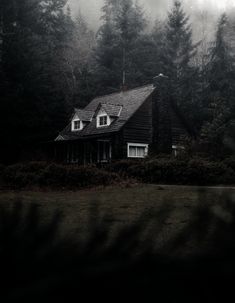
x,y
52,61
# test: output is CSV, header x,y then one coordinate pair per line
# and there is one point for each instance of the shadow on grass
x,y
38,266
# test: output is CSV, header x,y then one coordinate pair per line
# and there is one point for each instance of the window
x,y
104,151
76,125
136,150
103,120
177,150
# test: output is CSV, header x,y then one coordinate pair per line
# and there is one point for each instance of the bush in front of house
x,y
20,175
53,175
168,170
230,162
201,171
86,176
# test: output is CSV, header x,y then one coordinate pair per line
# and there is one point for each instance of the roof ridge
x,y
85,110
119,92
112,104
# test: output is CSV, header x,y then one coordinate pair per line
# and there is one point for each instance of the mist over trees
x,y
51,60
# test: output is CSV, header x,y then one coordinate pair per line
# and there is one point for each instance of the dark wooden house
x,y
128,124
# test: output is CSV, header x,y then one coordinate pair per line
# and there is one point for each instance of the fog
x,y
153,8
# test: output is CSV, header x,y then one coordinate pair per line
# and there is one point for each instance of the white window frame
x,y
73,125
110,151
103,125
176,149
146,146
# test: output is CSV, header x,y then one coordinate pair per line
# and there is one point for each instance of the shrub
x,y
168,170
89,176
17,177
195,171
204,172
230,162
54,175
121,167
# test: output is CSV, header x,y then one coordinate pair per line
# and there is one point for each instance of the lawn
x,y
169,208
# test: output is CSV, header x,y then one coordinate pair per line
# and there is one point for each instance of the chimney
x,y
159,80
162,137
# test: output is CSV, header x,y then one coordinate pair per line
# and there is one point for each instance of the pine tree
x,y
35,92
118,38
221,88
176,61
83,62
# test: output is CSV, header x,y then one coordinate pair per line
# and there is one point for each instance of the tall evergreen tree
x,y
35,92
118,40
221,88
83,64
178,51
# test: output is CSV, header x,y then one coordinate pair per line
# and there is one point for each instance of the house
x,y
128,124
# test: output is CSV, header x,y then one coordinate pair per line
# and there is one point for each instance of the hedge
x,y
54,175
194,171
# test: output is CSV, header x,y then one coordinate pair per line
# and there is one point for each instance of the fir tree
x,y
35,92
178,51
221,88
118,38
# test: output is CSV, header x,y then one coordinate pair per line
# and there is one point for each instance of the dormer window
x,y
103,121
76,125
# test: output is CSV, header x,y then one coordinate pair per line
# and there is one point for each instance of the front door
x,y
104,151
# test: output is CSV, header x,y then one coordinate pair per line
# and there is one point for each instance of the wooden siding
x,y
179,132
162,126
139,128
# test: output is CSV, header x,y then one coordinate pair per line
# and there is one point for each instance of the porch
x,y
84,152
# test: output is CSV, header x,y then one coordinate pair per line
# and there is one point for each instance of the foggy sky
x,y
153,8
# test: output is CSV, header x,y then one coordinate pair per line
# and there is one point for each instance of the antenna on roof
x,y
124,67
124,87
123,78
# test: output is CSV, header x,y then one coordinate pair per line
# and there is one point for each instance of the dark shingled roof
x,y
111,109
84,115
129,101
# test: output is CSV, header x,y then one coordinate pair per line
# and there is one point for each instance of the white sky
x,y
153,8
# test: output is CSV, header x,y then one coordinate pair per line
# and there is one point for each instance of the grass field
x,y
170,209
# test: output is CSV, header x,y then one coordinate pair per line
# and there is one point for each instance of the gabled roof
x,y
126,101
84,115
112,110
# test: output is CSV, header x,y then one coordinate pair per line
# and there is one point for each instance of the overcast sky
x,y
153,8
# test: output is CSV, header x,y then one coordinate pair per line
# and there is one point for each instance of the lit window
x,y
136,150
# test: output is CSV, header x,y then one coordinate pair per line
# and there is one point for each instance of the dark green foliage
x,y
175,51
230,162
43,68
49,64
196,171
221,90
120,44
34,94
41,174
